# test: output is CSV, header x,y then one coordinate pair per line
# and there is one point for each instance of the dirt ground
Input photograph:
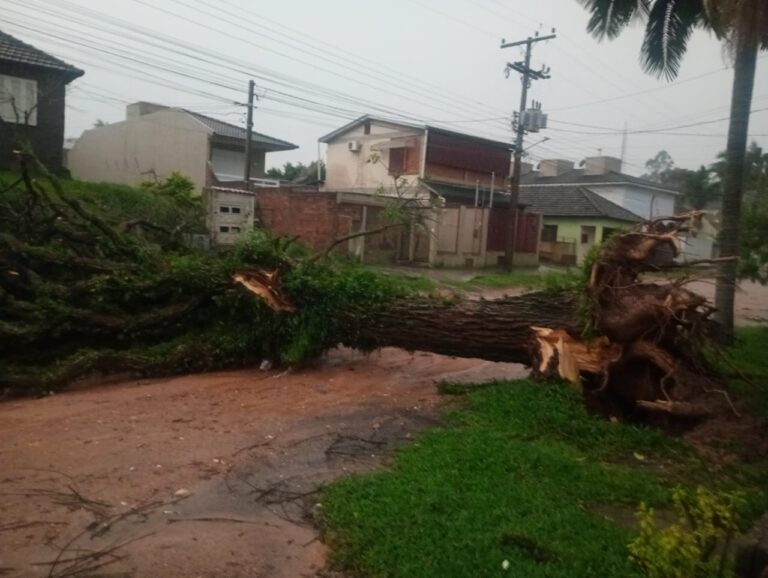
x,y
207,475
214,475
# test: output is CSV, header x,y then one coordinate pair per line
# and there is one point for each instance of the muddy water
x,y
205,475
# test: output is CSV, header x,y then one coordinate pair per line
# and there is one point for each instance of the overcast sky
x,y
318,64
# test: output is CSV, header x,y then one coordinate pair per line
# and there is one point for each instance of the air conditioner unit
x,y
354,146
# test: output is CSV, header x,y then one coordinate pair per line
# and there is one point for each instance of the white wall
x,y
641,201
348,171
127,152
228,165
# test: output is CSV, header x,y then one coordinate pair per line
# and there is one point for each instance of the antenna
x,y
624,142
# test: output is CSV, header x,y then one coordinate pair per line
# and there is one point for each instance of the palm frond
x,y
609,17
670,23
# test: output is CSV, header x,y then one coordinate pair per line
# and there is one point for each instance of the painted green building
x,y
575,219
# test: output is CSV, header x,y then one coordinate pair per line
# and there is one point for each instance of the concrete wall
x,y
352,171
129,151
229,215
462,241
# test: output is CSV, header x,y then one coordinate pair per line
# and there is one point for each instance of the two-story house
x,y
445,168
32,94
155,140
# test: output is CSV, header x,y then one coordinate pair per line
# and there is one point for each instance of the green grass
x,y
746,363
413,283
512,476
522,473
550,280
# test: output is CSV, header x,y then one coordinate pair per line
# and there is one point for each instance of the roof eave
x,y
261,145
69,74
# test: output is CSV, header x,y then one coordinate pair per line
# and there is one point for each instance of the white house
x,y
156,140
458,177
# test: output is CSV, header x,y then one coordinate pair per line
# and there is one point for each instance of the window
x,y
223,229
367,128
223,209
229,210
608,232
235,210
549,233
234,229
18,100
397,161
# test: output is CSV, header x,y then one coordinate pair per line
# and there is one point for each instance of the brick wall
x,y
313,216
318,220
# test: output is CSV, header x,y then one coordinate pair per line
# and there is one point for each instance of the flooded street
x,y
205,475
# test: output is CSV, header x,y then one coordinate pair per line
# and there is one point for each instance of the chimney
x,y
137,109
525,168
554,167
601,165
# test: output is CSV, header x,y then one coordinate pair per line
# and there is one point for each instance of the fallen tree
x,y
81,293
627,342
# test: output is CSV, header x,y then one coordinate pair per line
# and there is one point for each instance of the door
x,y
587,241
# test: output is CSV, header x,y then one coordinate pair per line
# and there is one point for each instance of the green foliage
x,y
103,294
176,186
753,258
696,545
298,173
746,366
514,476
585,309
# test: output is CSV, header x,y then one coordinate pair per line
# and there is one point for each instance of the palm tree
x,y
743,25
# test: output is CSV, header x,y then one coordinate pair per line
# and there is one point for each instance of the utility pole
x,y
527,75
248,136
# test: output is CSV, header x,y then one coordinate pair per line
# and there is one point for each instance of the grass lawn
x,y
534,279
520,473
746,364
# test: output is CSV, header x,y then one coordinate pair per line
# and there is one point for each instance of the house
x,y
619,197
602,175
366,155
373,160
32,96
155,140
575,219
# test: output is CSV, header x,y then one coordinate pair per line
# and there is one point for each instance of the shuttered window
x,y
397,161
21,92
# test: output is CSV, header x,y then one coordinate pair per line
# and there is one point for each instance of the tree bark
x,y
498,330
741,101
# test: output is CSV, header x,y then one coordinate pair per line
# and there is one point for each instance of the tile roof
x,y
577,177
14,50
227,130
573,201
561,201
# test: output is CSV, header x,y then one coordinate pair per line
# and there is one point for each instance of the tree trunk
x,y
498,330
741,101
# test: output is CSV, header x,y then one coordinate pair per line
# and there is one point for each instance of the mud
x,y
204,475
